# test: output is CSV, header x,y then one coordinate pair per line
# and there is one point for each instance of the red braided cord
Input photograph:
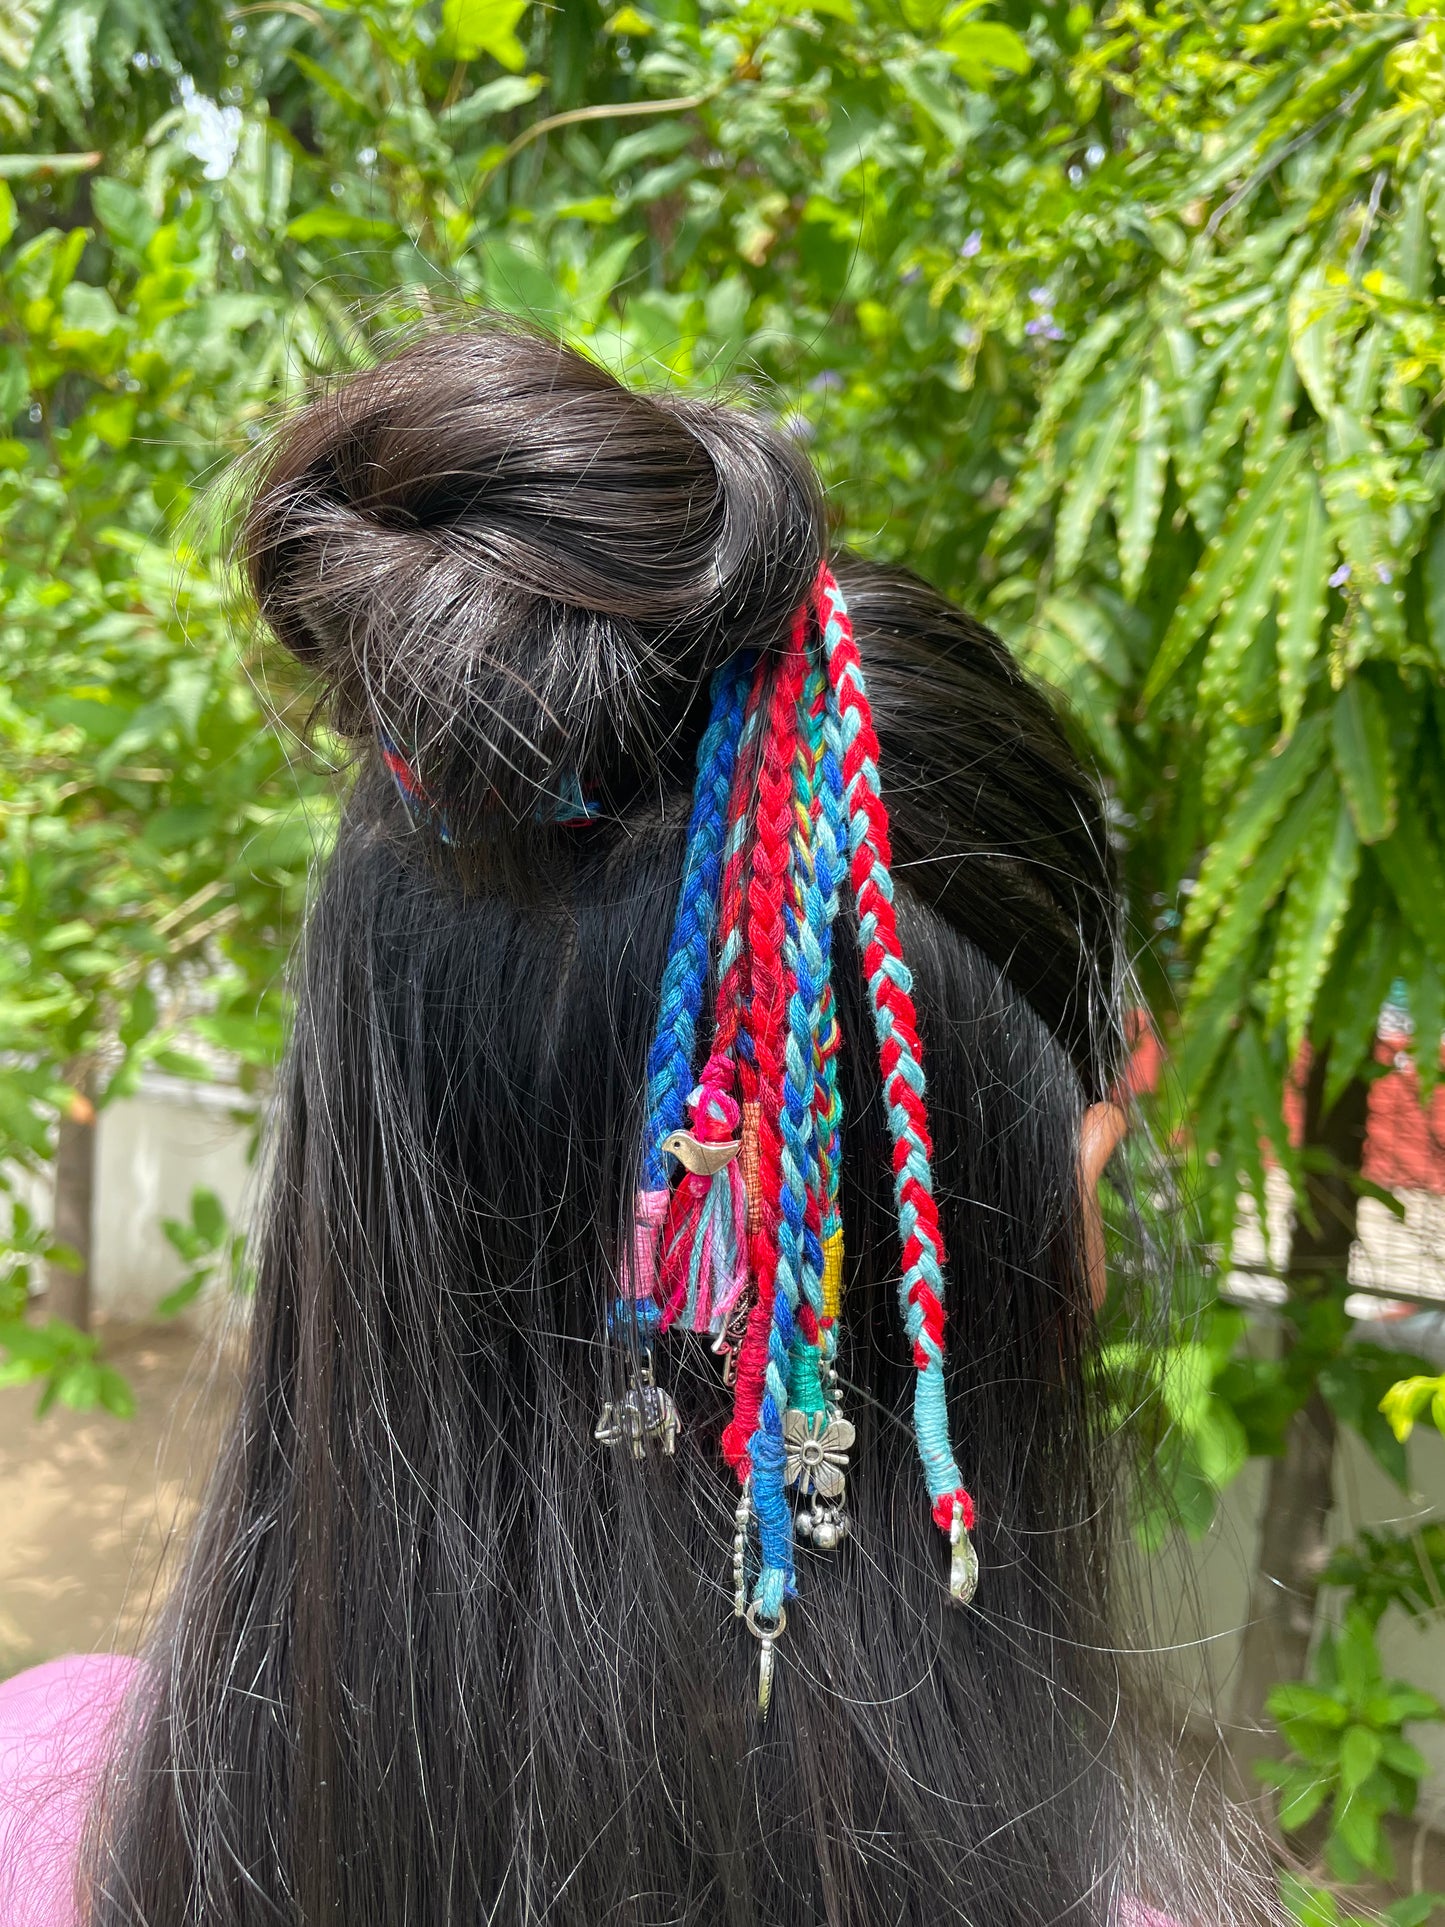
x,y
732,990
767,1021
875,851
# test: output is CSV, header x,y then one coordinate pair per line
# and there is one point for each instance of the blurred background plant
x,y
1121,323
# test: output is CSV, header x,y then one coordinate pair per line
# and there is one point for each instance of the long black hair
x,y
436,1656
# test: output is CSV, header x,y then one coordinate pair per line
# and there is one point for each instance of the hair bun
x,y
496,556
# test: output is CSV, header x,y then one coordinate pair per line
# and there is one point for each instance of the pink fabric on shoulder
x,y
55,1722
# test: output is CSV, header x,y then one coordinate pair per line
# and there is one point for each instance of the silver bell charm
x,y
830,1529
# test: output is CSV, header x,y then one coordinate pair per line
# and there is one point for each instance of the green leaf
x,y
1301,1799
1222,565
1302,606
936,100
1410,862
1434,579
1242,616
19,167
665,137
1309,312
1357,1656
1036,480
140,1019
518,283
1276,782
184,1294
333,88
1397,1752
1085,490
1296,1699
113,1393
208,1215
1241,918
1359,1756
1404,1402
471,28
334,223
497,97
14,384
1361,735
982,49
1308,1906
1314,917
629,20
1414,1910
121,210
1142,492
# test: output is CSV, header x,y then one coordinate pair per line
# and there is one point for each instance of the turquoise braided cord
x,y
828,1096
684,977
882,966
816,881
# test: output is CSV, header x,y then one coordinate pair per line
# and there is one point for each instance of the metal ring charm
x,y
766,1633
963,1566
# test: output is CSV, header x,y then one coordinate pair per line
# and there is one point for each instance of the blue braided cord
x,y
930,1409
684,977
769,1475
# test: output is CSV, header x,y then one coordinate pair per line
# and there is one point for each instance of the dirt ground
x,y
90,1504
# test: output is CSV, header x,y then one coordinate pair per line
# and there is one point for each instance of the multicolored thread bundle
x,y
737,1230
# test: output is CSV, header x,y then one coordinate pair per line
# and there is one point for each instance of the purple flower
x,y
972,245
1341,576
1036,326
1383,572
1040,297
910,275
827,382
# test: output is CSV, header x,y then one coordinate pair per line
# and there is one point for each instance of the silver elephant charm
x,y
644,1413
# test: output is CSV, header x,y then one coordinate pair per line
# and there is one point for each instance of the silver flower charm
x,y
817,1450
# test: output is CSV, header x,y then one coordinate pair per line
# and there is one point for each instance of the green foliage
x,y
63,1361
1345,1733
1313,1906
205,1244
1121,322
1401,1569
1410,1399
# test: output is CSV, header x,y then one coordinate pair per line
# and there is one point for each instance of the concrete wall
x,y
154,1150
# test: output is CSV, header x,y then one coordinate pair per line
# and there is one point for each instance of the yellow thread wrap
x,y
832,1275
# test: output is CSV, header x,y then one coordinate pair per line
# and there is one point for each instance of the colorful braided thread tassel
x,y
737,1230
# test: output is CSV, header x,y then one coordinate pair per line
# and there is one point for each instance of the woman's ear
x,y
1100,1135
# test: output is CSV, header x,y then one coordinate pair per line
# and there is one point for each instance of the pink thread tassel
x,y
649,1217
704,1244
